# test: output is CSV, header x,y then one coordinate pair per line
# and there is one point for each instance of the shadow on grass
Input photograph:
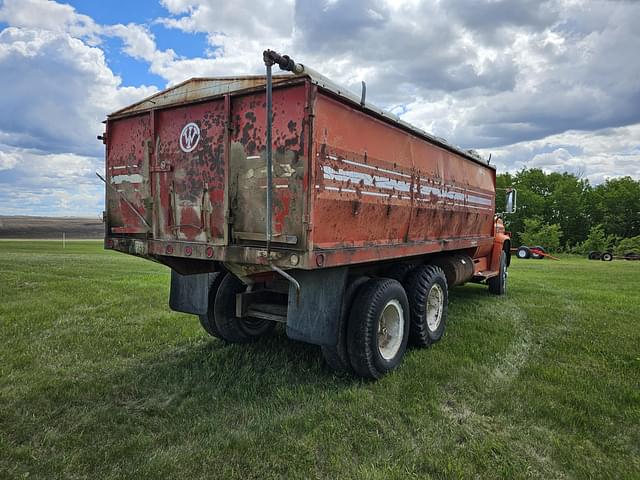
x,y
264,367
470,291
202,371
200,391
250,377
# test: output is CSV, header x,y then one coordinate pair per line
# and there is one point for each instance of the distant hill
x,y
50,227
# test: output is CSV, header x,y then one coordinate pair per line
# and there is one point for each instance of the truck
x,y
287,199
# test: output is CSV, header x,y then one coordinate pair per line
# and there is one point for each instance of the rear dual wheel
x,y
207,320
378,327
337,356
428,298
221,321
384,317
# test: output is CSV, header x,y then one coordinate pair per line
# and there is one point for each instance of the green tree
x,y
615,205
570,202
627,245
556,198
528,184
567,206
597,240
538,233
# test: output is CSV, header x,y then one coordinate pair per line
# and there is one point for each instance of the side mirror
x,y
511,201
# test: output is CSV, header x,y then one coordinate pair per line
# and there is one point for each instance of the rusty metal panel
x,y
248,166
197,89
349,186
376,184
189,172
127,193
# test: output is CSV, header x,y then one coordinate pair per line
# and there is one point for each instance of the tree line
x,y
564,212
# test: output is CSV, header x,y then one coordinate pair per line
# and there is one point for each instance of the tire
x,y
378,329
428,299
523,253
399,271
208,321
498,284
336,356
537,256
607,257
594,255
231,328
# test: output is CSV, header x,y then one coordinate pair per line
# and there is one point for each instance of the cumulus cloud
x,y
48,15
483,74
8,160
47,183
549,84
73,86
596,155
57,89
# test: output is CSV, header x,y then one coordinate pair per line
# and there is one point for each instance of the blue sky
x,y
134,72
551,84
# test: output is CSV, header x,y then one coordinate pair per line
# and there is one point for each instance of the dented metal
x,y
187,175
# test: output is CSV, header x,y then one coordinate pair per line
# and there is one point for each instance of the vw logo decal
x,y
189,137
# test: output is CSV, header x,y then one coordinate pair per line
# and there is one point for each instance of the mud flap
x,y
190,293
314,315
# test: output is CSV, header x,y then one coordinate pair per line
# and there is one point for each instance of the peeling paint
x,y
345,183
132,178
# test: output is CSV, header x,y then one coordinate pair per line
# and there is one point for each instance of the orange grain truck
x,y
287,199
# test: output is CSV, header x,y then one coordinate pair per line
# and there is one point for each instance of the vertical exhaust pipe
x,y
270,59
269,63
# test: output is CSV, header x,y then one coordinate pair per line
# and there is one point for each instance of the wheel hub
x,y
435,306
390,329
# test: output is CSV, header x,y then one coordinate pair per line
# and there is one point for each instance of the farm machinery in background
x,y
608,256
539,253
523,252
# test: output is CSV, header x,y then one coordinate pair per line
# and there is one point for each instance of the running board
x,y
266,311
480,277
261,305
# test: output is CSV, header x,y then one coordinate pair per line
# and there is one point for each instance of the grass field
x,y
98,379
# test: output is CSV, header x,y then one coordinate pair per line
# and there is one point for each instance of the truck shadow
x,y
208,365
470,291
201,372
266,366
203,383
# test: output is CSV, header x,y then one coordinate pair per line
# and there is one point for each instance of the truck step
x,y
268,311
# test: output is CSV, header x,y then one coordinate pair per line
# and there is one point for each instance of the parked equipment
x,y
609,256
537,252
285,198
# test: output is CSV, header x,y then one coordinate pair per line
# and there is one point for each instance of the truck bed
x,y
352,184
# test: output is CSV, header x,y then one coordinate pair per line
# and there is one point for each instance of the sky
x,y
537,84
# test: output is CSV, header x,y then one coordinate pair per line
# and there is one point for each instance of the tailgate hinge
x,y
163,167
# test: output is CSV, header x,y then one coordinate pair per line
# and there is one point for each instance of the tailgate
x,y
195,173
171,185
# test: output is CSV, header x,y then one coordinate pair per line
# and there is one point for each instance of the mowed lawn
x,y
99,379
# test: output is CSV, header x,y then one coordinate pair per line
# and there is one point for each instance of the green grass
x,y
99,379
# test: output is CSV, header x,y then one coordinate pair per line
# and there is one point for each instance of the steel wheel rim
x,y
435,305
522,254
390,329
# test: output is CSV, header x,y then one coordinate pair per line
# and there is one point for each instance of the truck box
x,y
354,192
